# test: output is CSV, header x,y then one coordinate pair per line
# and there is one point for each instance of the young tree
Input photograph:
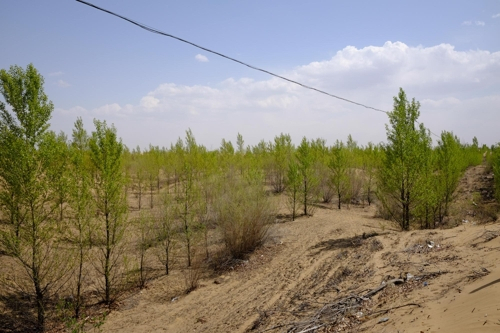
x,y
305,159
339,166
26,195
189,194
370,162
449,169
165,226
145,226
405,152
281,152
294,182
58,171
109,181
496,170
82,205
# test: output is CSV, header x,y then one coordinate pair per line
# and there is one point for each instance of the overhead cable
x,y
159,32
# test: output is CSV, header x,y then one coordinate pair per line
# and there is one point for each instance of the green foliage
x,y
23,91
145,241
371,158
294,182
281,153
165,229
496,170
81,202
109,181
449,166
406,151
305,161
339,167
244,214
26,193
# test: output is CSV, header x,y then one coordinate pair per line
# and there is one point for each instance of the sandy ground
x,y
299,280
314,261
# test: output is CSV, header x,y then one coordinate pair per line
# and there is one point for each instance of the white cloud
x,y
63,84
459,91
496,16
478,23
149,102
201,58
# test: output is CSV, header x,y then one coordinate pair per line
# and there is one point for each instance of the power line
x,y
159,32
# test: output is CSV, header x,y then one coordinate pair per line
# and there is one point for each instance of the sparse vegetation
x,y
86,214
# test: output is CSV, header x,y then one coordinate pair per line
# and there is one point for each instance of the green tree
x,y
189,195
109,182
281,152
82,206
305,159
294,182
370,162
166,231
26,195
496,170
405,152
58,171
449,169
339,166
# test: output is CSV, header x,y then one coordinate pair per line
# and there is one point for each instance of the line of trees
x,y
85,214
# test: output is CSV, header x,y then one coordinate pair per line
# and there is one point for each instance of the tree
x,y
189,195
82,205
370,161
26,195
496,170
109,181
305,159
339,168
294,182
58,171
145,226
449,169
405,152
281,152
165,225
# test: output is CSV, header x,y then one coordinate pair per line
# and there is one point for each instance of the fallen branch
x,y
312,328
429,274
395,307
382,286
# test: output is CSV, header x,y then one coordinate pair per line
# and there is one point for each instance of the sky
x,y
445,54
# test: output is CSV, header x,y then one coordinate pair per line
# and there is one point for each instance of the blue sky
x,y
446,54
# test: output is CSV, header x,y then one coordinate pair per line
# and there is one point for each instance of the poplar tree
x,y
305,159
82,206
449,169
281,152
294,182
339,170
26,195
109,194
405,153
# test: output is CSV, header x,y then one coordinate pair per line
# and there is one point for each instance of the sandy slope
x,y
313,261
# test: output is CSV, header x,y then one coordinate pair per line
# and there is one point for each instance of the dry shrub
x,y
487,212
244,214
192,277
375,245
355,192
387,209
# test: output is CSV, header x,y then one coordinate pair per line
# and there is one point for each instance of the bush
x,y
244,214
